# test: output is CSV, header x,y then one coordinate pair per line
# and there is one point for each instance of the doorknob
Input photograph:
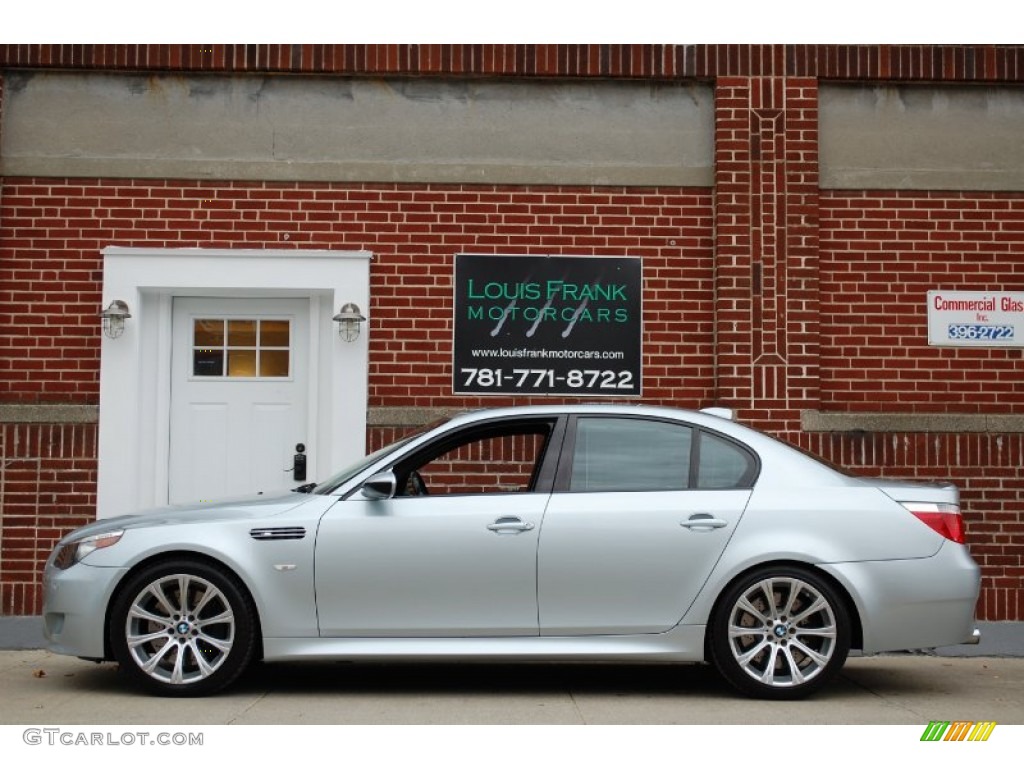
x,y
299,463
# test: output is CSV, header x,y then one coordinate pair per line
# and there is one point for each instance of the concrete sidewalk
x,y
890,689
899,689
998,638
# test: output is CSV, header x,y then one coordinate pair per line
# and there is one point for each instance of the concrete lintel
x,y
821,421
361,172
407,417
17,413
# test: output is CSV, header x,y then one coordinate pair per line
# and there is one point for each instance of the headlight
x,y
73,551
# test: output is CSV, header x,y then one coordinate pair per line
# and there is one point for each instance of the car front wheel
x,y
183,628
780,633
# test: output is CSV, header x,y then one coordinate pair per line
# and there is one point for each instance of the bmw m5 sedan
x,y
526,534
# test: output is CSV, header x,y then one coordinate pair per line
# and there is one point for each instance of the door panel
x,y
239,394
622,563
631,539
428,567
207,423
454,553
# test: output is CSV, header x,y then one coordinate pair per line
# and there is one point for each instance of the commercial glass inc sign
x,y
547,325
975,319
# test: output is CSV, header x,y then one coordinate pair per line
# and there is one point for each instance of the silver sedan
x,y
542,533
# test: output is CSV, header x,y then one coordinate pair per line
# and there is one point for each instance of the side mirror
x,y
383,485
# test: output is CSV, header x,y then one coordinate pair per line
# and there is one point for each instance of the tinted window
x,y
630,455
723,464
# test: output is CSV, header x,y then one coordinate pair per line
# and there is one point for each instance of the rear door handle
x,y
703,522
507,525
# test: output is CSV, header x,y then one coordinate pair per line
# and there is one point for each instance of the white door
x,y
239,394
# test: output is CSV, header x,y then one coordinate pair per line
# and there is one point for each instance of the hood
x,y
226,509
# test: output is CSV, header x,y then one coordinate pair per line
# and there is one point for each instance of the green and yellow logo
x,y
958,730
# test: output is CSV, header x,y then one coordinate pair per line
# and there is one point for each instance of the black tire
x,y
780,633
183,627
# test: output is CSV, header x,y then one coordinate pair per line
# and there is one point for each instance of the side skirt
x,y
682,643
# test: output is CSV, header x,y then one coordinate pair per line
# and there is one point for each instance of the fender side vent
x,y
278,534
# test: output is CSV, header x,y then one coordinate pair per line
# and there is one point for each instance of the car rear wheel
x,y
183,628
780,633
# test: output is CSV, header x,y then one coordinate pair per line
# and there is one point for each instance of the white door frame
x,y
135,368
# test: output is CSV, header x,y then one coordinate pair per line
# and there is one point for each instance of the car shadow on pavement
x,y
489,678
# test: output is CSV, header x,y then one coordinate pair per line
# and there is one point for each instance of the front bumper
x,y
75,608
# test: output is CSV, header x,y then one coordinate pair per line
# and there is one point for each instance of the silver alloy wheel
x,y
782,631
180,629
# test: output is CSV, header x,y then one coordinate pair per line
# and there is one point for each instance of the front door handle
x,y
703,522
507,525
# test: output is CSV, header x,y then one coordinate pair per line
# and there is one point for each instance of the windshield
x,y
338,479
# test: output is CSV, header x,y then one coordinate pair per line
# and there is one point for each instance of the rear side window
x,y
635,454
722,464
630,455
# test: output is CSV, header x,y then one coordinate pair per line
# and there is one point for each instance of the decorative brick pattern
x,y
926,63
766,185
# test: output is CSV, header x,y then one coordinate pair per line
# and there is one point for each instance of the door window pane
x,y
241,333
273,362
208,333
274,333
241,348
208,362
241,362
630,455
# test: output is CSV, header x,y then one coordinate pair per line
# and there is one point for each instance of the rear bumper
x,y
915,604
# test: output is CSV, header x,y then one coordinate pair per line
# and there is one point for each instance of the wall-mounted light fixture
x,y
114,317
348,319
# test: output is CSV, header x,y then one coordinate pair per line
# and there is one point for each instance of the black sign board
x,y
547,325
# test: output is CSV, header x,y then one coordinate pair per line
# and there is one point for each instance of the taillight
x,y
944,519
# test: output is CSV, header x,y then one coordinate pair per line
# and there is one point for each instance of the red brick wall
x,y
881,252
410,353
929,63
765,251
53,232
989,470
48,485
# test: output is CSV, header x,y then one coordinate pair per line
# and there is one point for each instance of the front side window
x,y
630,455
504,460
